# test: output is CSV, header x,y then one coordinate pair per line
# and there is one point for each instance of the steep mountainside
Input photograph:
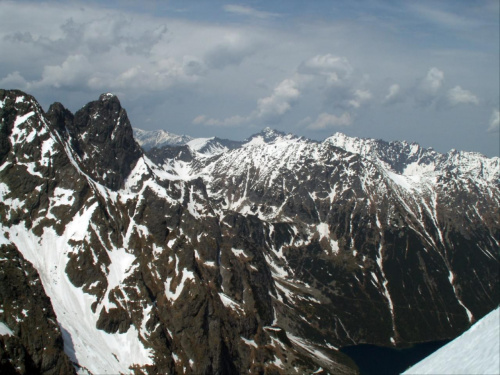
x,y
390,229
261,257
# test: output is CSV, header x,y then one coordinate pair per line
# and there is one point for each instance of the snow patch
x,y
173,295
120,267
250,342
229,302
307,346
62,197
198,143
5,331
23,118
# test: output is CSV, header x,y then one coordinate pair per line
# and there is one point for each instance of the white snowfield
x,y
157,138
477,351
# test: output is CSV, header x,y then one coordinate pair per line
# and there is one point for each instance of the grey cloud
x,y
233,121
348,96
232,48
328,121
20,37
14,80
225,55
428,88
494,125
146,41
243,10
394,95
96,36
336,78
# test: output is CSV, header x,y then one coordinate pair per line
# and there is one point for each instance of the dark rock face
x,y
36,346
272,257
158,155
103,139
60,118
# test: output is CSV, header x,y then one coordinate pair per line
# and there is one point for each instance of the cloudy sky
x,y
423,71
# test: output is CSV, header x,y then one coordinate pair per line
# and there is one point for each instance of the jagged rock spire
x,y
103,138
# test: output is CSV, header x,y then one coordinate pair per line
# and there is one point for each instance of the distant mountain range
x,y
148,139
167,254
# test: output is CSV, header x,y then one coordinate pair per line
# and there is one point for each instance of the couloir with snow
x,y
210,256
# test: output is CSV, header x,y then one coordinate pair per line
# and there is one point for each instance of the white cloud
x,y
432,81
334,68
494,121
269,108
248,11
458,95
281,100
394,94
359,97
73,72
161,74
326,121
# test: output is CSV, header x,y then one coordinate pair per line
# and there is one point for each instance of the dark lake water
x,y
378,360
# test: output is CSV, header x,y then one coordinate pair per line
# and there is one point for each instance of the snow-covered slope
x,y
207,147
410,159
477,351
148,139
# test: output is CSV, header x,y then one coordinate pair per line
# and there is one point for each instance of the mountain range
x,y
215,256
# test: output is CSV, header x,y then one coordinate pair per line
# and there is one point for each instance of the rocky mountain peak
x,y
19,114
60,117
267,135
103,139
108,96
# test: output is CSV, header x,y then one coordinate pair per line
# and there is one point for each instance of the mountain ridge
x,y
266,257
